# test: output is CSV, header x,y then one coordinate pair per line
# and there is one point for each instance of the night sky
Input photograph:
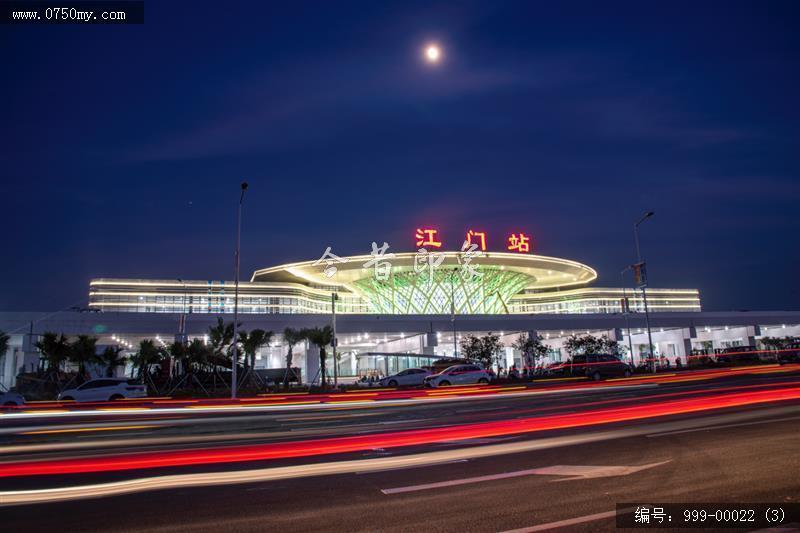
x,y
123,147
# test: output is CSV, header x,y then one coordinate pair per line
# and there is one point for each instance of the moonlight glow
x,y
433,53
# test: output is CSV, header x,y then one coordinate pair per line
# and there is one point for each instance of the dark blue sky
x,y
123,146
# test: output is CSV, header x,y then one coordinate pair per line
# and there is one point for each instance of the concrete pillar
x,y
312,364
430,343
509,356
9,367
752,333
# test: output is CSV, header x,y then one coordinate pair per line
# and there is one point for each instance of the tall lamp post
x,y
182,328
643,285
626,312
235,357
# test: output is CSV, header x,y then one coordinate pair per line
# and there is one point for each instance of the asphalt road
x,y
734,454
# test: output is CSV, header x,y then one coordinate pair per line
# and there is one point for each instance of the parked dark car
x,y
790,354
599,365
738,354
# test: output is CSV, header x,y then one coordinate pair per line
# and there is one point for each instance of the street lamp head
x,y
244,187
645,217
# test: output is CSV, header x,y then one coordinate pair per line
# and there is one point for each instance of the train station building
x,y
400,310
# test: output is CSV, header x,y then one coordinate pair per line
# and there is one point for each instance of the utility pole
x,y
643,284
334,342
626,312
453,313
235,354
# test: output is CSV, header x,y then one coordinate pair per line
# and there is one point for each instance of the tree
x,y
55,350
532,348
177,351
83,350
322,337
220,336
112,358
481,349
291,337
197,355
577,345
610,346
252,342
777,343
147,355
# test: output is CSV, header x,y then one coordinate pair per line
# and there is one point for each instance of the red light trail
x,y
336,445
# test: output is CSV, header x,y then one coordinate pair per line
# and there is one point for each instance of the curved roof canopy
x,y
540,272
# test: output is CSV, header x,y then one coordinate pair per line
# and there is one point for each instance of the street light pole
x,y
644,293
334,342
626,312
235,357
182,328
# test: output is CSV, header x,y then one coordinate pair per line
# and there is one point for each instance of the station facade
x,y
399,310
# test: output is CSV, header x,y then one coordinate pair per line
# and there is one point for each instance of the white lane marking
x,y
19,497
565,523
412,466
589,472
573,471
710,428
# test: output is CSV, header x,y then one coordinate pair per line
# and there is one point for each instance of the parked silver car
x,y
408,377
105,389
459,375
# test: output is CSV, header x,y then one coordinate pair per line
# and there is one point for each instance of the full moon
x,y
433,53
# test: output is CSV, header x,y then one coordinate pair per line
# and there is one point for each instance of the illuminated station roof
x,y
410,287
540,272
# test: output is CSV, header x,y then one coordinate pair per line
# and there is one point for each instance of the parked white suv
x,y
105,389
459,375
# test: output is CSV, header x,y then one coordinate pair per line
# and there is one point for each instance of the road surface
x,y
472,462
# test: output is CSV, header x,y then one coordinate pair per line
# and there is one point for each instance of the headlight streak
x,y
364,466
334,445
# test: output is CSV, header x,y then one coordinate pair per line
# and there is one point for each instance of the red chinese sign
x,y
477,237
428,237
516,242
519,243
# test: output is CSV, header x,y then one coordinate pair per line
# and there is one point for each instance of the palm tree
x,y
177,351
322,337
147,355
220,336
291,337
81,351
56,350
197,355
112,358
251,342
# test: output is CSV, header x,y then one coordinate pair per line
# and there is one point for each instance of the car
x,y
408,377
738,354
459,375
105,389
11,399
599,365
553,369
790,354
